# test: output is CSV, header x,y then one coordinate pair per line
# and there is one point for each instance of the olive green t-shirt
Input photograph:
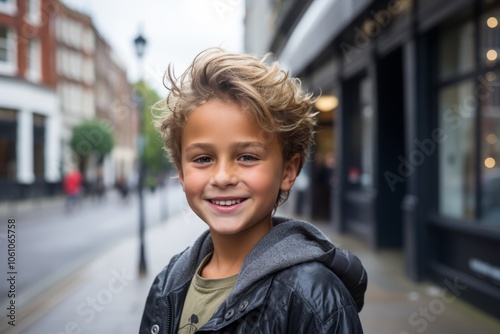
x,y
203,298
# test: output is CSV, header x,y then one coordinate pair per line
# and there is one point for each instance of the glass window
x,y
33,11
7,51
366,133
4,44
456,50
489,140
489,38
8,7
360,120
490,158
8,136
39,146
469,115
34,60
457,112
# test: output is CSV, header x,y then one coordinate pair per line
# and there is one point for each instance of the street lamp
x,y
140,45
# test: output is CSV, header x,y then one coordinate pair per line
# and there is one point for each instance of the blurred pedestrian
x,y
123,188
324,183
239,130
99,188
72,187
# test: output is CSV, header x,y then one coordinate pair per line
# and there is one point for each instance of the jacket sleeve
x,y
320,303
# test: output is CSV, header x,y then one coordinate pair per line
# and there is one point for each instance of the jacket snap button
x,y
243,306
229,314
155,329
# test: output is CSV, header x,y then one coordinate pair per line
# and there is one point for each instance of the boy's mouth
x,y
226,202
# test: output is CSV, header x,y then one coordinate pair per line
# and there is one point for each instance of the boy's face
x,y
231,170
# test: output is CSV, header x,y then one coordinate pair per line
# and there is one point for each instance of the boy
x,y
239,131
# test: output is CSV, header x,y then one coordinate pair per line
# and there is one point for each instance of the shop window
x,y
490,152
456,51
456,154
469,114
39,146
366,133
360,120
8,136
489,159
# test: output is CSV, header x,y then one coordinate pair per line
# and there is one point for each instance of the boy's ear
x,y
290,171
181,177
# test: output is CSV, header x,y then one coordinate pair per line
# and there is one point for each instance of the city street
x,y
97,288
52,242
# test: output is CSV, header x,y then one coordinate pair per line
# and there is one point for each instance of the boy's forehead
x,y
219,117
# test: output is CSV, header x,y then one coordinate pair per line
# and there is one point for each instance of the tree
x,y
92,137
155,158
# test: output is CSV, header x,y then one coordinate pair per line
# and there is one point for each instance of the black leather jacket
x,y
294,281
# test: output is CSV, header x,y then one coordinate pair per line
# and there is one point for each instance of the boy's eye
x,y
247,158
203,160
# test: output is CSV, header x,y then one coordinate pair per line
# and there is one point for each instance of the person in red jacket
x,y
72,186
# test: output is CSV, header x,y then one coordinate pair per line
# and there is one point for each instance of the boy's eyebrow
x,y
239,145
244,145
202,146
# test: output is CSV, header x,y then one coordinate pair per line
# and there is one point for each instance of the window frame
x,y
476,74
9,67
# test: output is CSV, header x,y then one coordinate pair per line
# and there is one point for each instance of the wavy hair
x,y
261,88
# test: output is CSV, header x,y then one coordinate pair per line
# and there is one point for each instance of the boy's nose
x,y
224,176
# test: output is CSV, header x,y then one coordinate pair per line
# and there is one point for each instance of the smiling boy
x,y
239,130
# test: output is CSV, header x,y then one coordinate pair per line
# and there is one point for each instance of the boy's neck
x,y
230,252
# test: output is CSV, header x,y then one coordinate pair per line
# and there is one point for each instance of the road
x,y
52,242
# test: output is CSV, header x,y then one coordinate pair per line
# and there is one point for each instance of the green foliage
x,y
92,137
155,158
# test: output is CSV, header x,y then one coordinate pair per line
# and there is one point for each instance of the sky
x,y
175,30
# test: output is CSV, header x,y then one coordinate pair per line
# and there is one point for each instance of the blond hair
x,y
265,91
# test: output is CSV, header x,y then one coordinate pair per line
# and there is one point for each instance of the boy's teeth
x,y
232,202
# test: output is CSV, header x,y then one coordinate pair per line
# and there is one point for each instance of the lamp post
x,y
140,45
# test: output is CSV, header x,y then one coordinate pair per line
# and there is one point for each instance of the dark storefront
x,y
418,136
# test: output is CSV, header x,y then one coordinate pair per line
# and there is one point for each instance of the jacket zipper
x,y
168,316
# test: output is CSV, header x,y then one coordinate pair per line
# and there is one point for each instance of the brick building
x,y
30,116
55,72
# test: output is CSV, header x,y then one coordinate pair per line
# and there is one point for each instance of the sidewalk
x,y
393,304
107,295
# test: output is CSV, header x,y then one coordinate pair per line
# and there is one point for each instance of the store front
x,y
29,150
418,137
464,212
416,131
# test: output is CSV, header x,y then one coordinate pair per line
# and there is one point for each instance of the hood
x,y
292,242
278,250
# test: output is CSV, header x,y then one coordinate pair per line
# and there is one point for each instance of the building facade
x,y
55,72
30,118
115,105
416,127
